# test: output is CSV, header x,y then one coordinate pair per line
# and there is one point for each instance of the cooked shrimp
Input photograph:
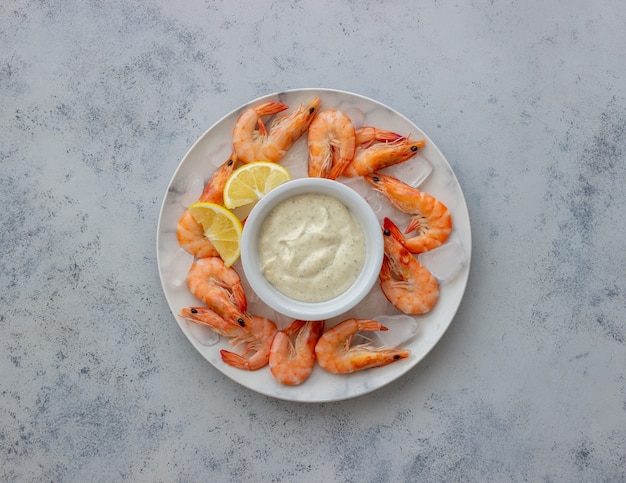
x,y
292,355
254,332
190,233
431,218
259,336
191,237
377,149
209,318
331,141
254,142
219,287
335,354
250,136
406,283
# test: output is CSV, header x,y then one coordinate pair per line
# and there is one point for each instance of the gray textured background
x,y
101,100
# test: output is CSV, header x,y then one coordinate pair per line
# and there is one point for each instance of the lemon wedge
x,y
221,227
252,181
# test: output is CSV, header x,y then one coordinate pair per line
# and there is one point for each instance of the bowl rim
x,y
374,250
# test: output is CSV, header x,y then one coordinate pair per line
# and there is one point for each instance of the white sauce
x,y
311,247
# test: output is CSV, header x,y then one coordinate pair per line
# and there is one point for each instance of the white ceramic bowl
x,y
364,282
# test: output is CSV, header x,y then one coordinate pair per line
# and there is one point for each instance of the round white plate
x,y
419,334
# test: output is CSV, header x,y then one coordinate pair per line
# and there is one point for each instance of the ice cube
x,y
372,306
251,295
384,209
377,201
296,159
359,185
414,171
446,261
192,191
204,335
401,327
175,271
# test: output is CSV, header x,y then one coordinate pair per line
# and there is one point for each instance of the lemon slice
x,y
252,181
221,227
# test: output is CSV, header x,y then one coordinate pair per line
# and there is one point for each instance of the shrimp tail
x,y
369,325
338,168
270,108
294,327
257,361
